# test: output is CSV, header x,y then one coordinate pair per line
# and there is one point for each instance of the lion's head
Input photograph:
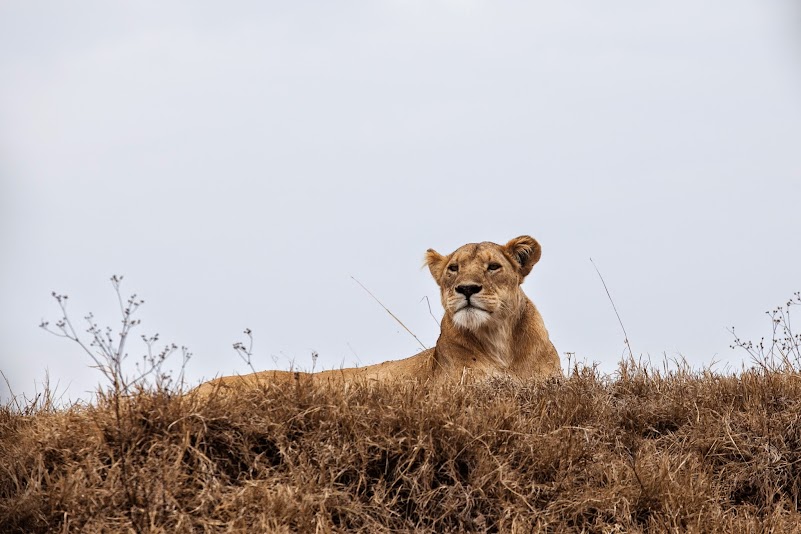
x,y
480,282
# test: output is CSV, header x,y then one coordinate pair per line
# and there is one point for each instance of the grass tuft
x,y
644,451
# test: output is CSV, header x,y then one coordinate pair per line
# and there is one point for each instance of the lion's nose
x,y
468,290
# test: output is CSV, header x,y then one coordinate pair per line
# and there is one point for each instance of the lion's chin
x,y
470,318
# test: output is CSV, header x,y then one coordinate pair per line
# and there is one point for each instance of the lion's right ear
x,y
436,263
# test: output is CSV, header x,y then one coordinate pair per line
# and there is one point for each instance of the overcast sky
x,y
238,162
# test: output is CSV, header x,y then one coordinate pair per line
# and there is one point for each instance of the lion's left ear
x,y
525,251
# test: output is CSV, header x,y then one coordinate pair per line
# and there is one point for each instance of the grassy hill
x,y
642,451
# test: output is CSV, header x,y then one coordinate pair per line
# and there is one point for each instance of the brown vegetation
x,y
641,452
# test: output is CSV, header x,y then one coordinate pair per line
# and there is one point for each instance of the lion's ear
x,y
436,263
525,251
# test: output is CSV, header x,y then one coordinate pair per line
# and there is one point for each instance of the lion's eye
x,y
493,266
453,267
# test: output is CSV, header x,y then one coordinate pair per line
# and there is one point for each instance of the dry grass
x,y
641,452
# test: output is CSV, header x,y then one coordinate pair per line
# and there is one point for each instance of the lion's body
x,y
490,327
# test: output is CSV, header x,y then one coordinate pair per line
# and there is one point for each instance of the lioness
x,y
490,327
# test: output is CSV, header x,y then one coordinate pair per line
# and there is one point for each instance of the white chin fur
x,y
470,318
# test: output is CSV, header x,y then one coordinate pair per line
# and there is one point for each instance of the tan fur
x,y
500,333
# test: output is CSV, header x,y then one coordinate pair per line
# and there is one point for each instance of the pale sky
x,y
238,162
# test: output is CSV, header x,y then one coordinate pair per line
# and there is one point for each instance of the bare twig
x,y
619,320
11,392
431,313
783,349
108,351
246,353
389,312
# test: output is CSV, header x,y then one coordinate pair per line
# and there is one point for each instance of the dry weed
x,y
643,452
